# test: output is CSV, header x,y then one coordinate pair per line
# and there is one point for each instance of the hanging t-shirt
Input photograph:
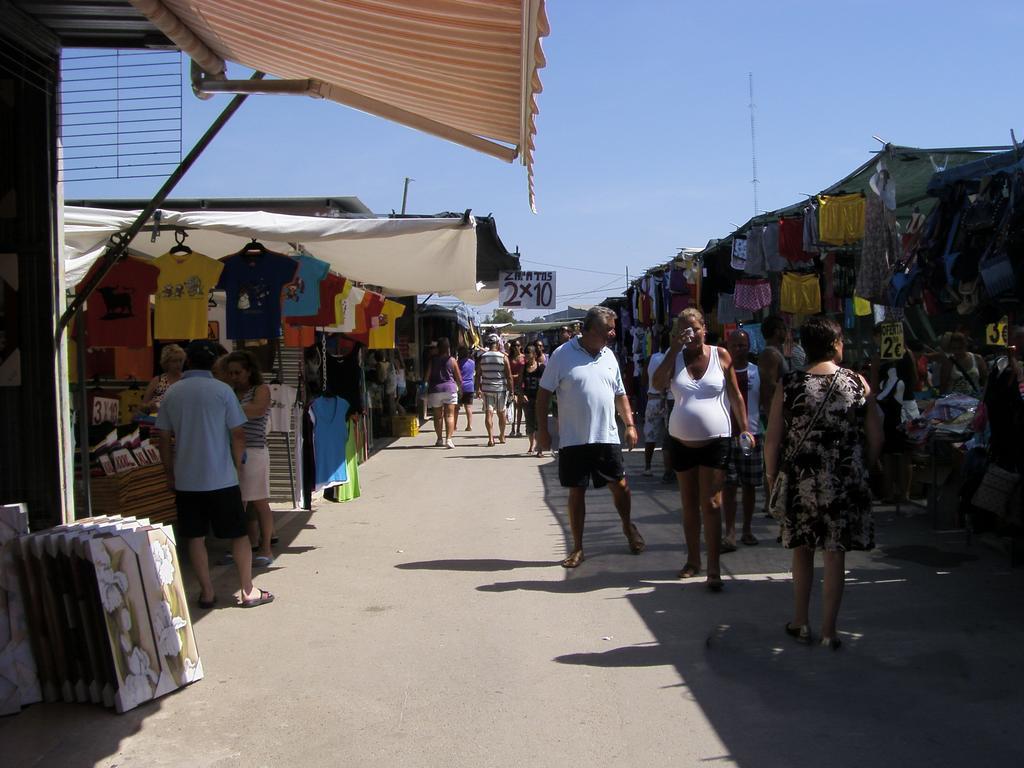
x,y
117,313
330,434
298,335
302,295
130,403
330,287
346,308
282,408
183,289
253,285
382,335
369,308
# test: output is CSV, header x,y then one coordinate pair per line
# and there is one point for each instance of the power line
x,y
577,269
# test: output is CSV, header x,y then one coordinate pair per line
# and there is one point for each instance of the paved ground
x,y
428,624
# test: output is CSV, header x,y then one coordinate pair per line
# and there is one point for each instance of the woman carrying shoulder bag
x,y
824,433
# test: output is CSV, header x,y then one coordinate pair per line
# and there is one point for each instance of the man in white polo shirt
x,y
585,375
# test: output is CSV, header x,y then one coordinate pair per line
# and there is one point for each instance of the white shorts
x,y
437,399
254,478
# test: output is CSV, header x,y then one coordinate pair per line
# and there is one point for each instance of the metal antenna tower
x,y
753,141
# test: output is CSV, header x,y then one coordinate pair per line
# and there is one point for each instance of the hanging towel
x,y
757,342
791,240
739,253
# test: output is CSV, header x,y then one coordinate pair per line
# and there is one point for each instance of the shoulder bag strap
x,y
828,394
967,374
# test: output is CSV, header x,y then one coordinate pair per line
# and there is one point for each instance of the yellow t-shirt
x,y
182,292
131,401
383,335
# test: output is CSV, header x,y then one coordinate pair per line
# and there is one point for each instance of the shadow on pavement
x,y
482,565
88,734
927,675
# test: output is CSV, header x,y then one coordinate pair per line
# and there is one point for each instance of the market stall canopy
x,y
463,70
911,170
403,256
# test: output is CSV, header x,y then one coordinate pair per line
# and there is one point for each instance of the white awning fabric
x,y
403,256
464,70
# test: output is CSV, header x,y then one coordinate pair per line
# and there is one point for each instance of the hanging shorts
x,y
800,294
753,295
840,219
728,313
757,265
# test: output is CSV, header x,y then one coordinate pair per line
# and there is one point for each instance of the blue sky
x,y
643,141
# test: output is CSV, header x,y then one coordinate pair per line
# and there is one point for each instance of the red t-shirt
x,y
117,313
330,287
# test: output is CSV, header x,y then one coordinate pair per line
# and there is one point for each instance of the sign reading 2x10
x,y
527,290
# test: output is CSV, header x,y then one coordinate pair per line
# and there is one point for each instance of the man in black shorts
x,y
585,375
201,466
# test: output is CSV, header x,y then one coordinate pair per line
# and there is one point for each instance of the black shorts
x,y
714,454
466,398
222,510
601,463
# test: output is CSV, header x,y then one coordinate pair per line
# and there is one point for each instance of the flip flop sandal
x,y
262,561
714,582
801,633
207,604
689,571
636,541
264,598
727,546
749,539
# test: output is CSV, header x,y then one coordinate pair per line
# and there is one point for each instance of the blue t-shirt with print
x,y
253,285
302,295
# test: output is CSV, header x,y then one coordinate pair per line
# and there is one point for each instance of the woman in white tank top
x,y
704,387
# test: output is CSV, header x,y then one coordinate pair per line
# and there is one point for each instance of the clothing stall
x,y
294,290
925,242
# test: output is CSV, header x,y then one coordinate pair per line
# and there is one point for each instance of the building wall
x,y
30,456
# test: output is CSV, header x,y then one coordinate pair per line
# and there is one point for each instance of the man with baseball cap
x,y
202,465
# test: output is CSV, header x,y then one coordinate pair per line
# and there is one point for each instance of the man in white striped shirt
x,y
494,382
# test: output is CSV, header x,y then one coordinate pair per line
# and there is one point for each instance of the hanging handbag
x,y
778,499
996,489
997,274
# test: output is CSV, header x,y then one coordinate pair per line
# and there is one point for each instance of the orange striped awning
x,y
464,70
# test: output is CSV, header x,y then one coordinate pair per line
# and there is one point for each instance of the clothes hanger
x,y
179,248
254,248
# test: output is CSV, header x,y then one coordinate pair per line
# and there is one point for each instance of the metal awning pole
x,y
83,416
120,242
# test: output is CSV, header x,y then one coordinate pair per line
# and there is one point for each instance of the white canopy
x,y
403,256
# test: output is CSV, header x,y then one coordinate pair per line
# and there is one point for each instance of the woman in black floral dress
x,y
829,504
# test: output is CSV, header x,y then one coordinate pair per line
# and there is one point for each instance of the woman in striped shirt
x,y
254,477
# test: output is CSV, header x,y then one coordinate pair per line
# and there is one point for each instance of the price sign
x,y
892,341
996,334
527,290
